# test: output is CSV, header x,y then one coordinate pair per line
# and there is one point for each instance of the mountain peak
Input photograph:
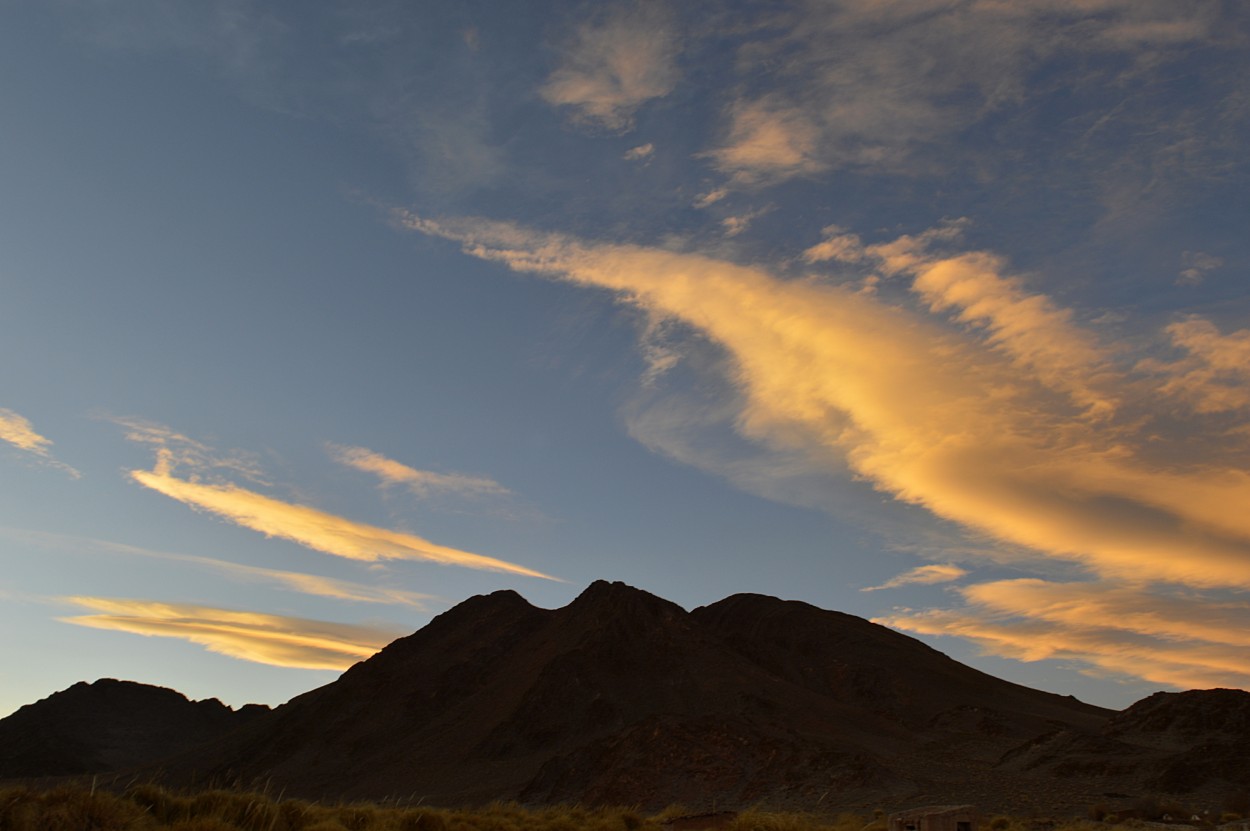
x,y
621,600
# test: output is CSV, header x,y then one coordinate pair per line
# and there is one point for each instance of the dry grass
x,y
152,808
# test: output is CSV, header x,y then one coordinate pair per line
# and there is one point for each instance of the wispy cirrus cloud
x,y
420,482
615,64
1181,639
296,581
641,153
881,85
302,524
922,576
250,636
1194,267
312,528
19,432
980,400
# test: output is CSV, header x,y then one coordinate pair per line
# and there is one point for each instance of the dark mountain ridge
x,y
110,725
623,697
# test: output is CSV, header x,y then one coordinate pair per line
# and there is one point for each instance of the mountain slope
x,y
109,725
624,697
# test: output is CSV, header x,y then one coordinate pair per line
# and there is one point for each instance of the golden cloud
x,y
1126,630
420,482
311,584
312,528
250,636
1008,425
19,432
922,576
1214,377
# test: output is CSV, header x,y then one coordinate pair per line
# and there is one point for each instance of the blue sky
x,y
319,318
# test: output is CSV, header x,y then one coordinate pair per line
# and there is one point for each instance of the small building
x,y
935,818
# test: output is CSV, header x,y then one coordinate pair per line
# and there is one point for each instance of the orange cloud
x,y
1214,377
250,636
19,432
1008,426
614,66
768,141
311,584
1125,630
310,527
922,576
420,482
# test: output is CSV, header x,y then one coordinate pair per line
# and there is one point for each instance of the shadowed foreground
x,y
148,807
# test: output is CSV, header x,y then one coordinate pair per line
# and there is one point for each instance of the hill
x,y
622,697
108,726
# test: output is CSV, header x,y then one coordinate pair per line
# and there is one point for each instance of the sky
x,y
317,318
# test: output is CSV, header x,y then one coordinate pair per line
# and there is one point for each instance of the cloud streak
x,y
421,483
250,636
1008,423
1184,640
302,582
19,432
922,576
873,85
310,527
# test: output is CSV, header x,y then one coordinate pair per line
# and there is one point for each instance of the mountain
x,y
1186,744
108,726
622,697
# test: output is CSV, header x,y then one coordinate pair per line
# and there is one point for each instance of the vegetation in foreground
x,y
153,808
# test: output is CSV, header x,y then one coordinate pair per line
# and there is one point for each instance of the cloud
x,y
735,225
887,86
19,432
768,141
614,65
250,636
1027,326
301,524
1195,265
640,153
311,584
420,482
711,197
1121,630
312,528
1214,375
922,576
996,424
178,449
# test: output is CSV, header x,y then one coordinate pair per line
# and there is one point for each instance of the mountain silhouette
x,y
108,726
622,697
